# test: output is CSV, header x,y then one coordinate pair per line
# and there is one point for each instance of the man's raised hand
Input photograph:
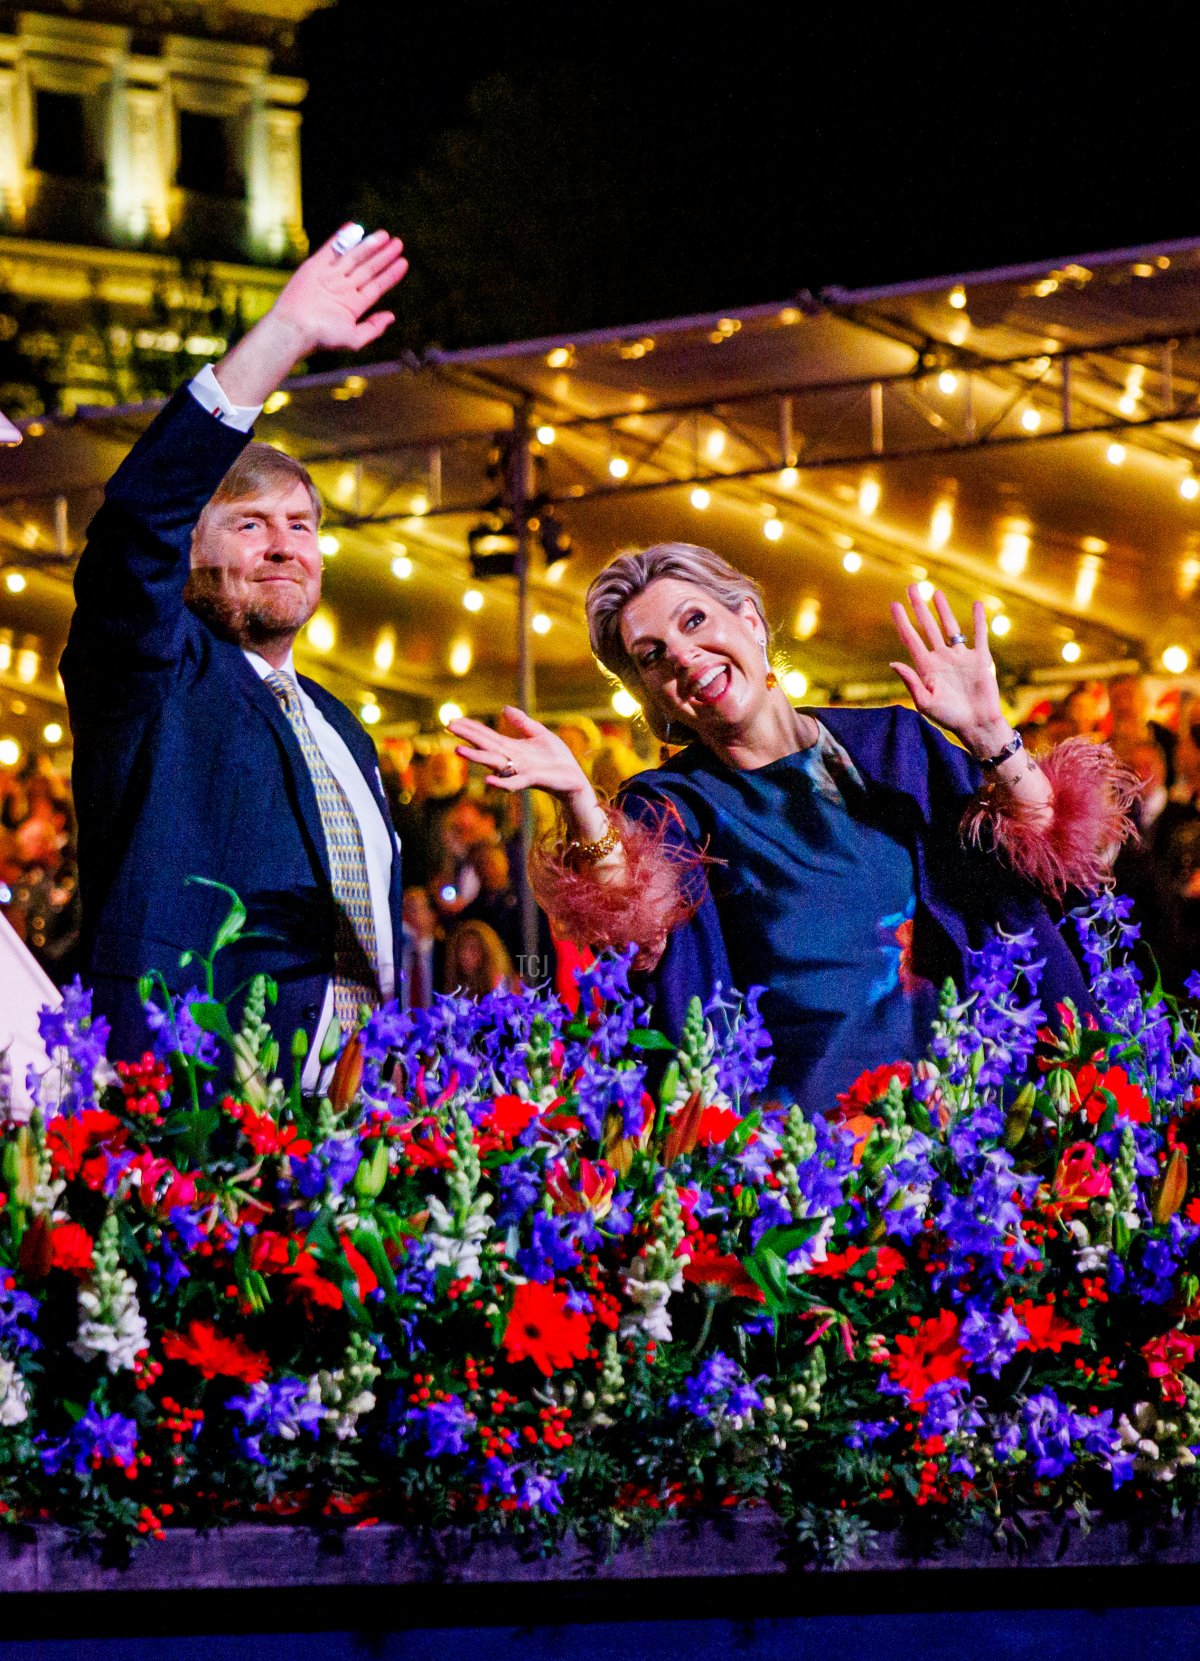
x,y
324,305
328,299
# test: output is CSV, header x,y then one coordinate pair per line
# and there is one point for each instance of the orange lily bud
x,y
347,1076
684,1129
1171,1190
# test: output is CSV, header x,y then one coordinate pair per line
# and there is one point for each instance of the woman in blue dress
x,y
844,859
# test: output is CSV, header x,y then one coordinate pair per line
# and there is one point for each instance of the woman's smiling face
x,y
699,663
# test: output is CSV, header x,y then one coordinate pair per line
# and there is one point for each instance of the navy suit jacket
x,y
922,785
185,764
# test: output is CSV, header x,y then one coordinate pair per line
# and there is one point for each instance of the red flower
x,y
71,1248
1166,1357
1131,1103
1078,1179
509,1115
543,1330
716,1125
931,1354
837,1265
596,1184
213,1355
269,1252
70,1138
312,1283
1046,1328
872,1086
729,1272
263,1134
368,1280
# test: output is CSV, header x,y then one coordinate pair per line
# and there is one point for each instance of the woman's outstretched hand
x,y
539,759
951,680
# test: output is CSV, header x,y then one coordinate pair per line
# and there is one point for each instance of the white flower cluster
x,y
455,1244
14,1397
347,1394
111,1323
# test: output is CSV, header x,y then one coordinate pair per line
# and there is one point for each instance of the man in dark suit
x,y
198,750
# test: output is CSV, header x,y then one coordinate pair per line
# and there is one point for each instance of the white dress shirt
x,y
379,840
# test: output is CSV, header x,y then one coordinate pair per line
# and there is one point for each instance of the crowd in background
x,y
39,887
464,898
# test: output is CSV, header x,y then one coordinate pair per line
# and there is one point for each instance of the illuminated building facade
x,y
150,198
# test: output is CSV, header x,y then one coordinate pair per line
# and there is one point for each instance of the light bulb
x,y
370,713
625,704
15,582
1031,420
1175,660
321,632
957,298
449,712
402,567
1115,455
795,683
473,600
52,733
700,498
1072,651
460,657
540,623
868,497
546,435
10,752
1001,624
773,529
328,544
619,467
948,382
852,562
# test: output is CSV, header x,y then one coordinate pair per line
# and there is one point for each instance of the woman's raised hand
x,y
951,681
525,756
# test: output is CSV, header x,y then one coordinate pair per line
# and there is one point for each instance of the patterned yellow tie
x,y
356,952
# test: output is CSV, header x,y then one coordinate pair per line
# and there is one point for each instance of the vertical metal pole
x,y
1065,395
787,436
518,504
1168,376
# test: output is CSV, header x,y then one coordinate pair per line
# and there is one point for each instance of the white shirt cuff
x,y
207,390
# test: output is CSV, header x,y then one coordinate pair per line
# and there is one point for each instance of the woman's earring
x,y
772,677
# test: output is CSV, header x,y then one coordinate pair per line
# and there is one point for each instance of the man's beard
x,y
258,615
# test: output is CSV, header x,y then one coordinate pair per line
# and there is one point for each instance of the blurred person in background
x,y
476,961
423,958
1130,723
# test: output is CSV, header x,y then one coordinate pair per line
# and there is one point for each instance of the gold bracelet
x,y
591,853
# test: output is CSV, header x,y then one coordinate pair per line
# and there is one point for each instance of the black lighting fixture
x,y
492,547
556,543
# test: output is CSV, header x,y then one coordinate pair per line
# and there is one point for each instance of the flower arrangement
x,y
523,1269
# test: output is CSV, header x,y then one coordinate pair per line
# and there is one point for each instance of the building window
x,y
206,161
61,141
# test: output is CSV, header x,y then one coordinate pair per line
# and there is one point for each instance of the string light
x,y
868,496
795,683
52,733
1014,551
957,298
948,382
546,435
1031,420
714,444
790,478
473,600
1175,660
1086,579
449,712
321,632
1072,651
925,589
385,650
619,467
559,358
328,544
807,620
941,525
1115,455
15,582
402,567
700,498
10,752
419,506
773,529
1189,487
370,713
27,666
461,657
1001,624
852,562
277,401
540,623
625,704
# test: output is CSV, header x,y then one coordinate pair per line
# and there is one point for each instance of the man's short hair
x,y
260,471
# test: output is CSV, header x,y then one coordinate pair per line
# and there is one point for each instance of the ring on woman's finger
x,y
508,771
957,640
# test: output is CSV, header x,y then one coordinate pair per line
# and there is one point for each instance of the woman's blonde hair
x,y
495,967
629,575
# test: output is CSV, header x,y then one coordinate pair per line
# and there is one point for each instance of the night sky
x,y
563,165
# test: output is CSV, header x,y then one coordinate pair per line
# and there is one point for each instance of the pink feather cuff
x,y
659,887
1093,795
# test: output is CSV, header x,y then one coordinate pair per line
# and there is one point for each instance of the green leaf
x,y
235,917
646,1038
785,1239
210,1016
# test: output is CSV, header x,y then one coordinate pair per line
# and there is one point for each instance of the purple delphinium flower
x,y
18,1311
96,1435
444,1426
539,1491
175,1029
76,1039
990,1340
743,1058
717,1388
520,1185
329,1167
548,1253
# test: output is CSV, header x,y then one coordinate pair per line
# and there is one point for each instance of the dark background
x,y
564,165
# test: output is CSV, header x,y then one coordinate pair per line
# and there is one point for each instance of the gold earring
x,y
772,680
